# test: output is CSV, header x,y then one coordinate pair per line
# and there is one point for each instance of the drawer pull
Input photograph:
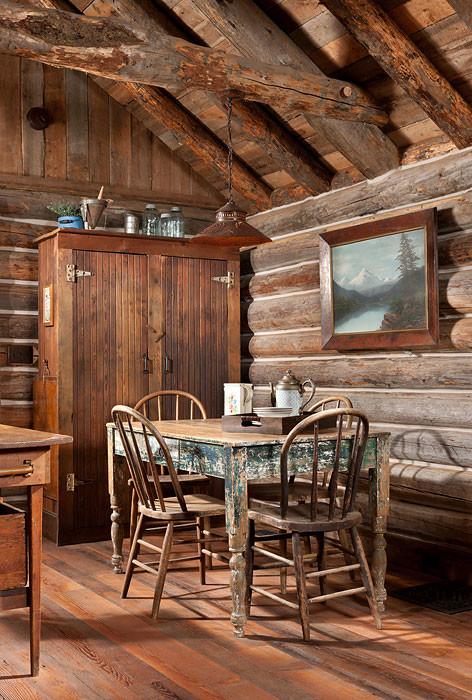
x,y
26,470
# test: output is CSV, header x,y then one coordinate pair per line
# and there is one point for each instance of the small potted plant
x,y
68,214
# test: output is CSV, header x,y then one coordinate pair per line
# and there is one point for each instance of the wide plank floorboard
x,y
95,645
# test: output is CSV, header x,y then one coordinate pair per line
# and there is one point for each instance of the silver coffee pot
x,y
288,393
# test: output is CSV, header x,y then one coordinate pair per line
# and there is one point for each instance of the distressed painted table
x,y
201,446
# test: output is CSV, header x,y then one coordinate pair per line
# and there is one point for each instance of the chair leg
x,y
133,513
200,546
321,560
162,571
249,564
207,526
301,585
366,577
133,554
283,569
345,542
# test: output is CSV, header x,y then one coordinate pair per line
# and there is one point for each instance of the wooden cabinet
x,y
130,315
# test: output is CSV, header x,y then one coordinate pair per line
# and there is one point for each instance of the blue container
x,y
70,222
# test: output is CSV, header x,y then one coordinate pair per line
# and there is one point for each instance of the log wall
x,y
423,396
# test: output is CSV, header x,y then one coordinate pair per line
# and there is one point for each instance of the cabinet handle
x,y
167,364
145,363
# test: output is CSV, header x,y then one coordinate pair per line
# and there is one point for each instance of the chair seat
x,y
298,518
263,493
198,505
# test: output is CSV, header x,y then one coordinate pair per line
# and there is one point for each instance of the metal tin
x,y
131,223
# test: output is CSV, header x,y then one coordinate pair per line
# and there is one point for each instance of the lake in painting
x,y
379,283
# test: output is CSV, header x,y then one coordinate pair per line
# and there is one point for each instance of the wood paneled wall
x,y
422,397
92,137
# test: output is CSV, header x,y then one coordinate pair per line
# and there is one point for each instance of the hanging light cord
x,y
230,152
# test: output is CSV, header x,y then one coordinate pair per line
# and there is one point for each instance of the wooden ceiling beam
x,y
114,49
283,148
191,132
406,65
463,8
254,34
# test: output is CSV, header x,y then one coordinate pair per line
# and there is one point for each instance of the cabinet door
x,y
109,341
201,320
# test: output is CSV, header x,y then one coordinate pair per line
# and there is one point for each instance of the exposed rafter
x,y
463,9
406,65
193,133
254,34
124,52
285,151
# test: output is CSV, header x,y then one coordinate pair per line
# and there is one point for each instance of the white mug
x,y
238,399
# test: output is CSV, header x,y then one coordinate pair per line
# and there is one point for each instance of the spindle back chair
x,y
334,513
141,440
196,405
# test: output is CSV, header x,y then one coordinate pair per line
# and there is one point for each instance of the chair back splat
x,y
350,463
185,405
134,430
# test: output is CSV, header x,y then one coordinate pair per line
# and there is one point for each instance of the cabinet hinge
x,y
72,273
227,279
72,482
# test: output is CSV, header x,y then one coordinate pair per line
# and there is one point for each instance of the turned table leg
x,y
236,526
117,533
379,488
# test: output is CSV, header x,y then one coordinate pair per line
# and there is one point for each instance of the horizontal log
x,y
287,251
438,480
432,524
442,446
288,194
455,336
17,385
18,326
21,235
410,407
121,51
288,312
18,266
422,498
404,188
20,416
413,372
302,278
18,297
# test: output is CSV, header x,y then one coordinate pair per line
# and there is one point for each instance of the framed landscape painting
x,y
379,285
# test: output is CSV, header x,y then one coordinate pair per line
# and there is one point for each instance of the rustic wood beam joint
x,y
113,49
406,65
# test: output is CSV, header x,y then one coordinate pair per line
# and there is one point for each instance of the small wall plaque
x,y
48,305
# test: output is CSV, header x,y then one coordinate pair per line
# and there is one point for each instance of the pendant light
x,y
231,229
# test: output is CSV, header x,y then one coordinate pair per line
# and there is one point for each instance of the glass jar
x,y
151,221
177,222
166,224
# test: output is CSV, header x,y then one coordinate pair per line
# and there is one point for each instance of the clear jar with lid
x,y
166,224
151,221
177,222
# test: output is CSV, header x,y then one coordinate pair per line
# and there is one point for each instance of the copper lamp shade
x,y
230,230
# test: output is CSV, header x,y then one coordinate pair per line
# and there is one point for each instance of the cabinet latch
x,y
227,279
72,482
72,273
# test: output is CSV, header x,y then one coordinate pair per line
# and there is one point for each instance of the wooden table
x,y
24,461
201,446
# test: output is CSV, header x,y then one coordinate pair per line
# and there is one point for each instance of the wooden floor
x,y
98,646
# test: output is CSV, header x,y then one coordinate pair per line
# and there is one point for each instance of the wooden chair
x,y
177,511
316,518
144,406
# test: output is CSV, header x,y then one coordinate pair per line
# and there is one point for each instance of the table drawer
x,y
13,571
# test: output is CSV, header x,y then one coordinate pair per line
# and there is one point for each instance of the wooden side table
x,y
24,461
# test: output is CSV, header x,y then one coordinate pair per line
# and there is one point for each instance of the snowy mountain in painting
x,y
365,281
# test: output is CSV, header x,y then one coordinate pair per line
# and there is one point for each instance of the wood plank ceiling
x,y
412,57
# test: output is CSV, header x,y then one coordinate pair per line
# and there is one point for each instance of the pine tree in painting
x,y
406,257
